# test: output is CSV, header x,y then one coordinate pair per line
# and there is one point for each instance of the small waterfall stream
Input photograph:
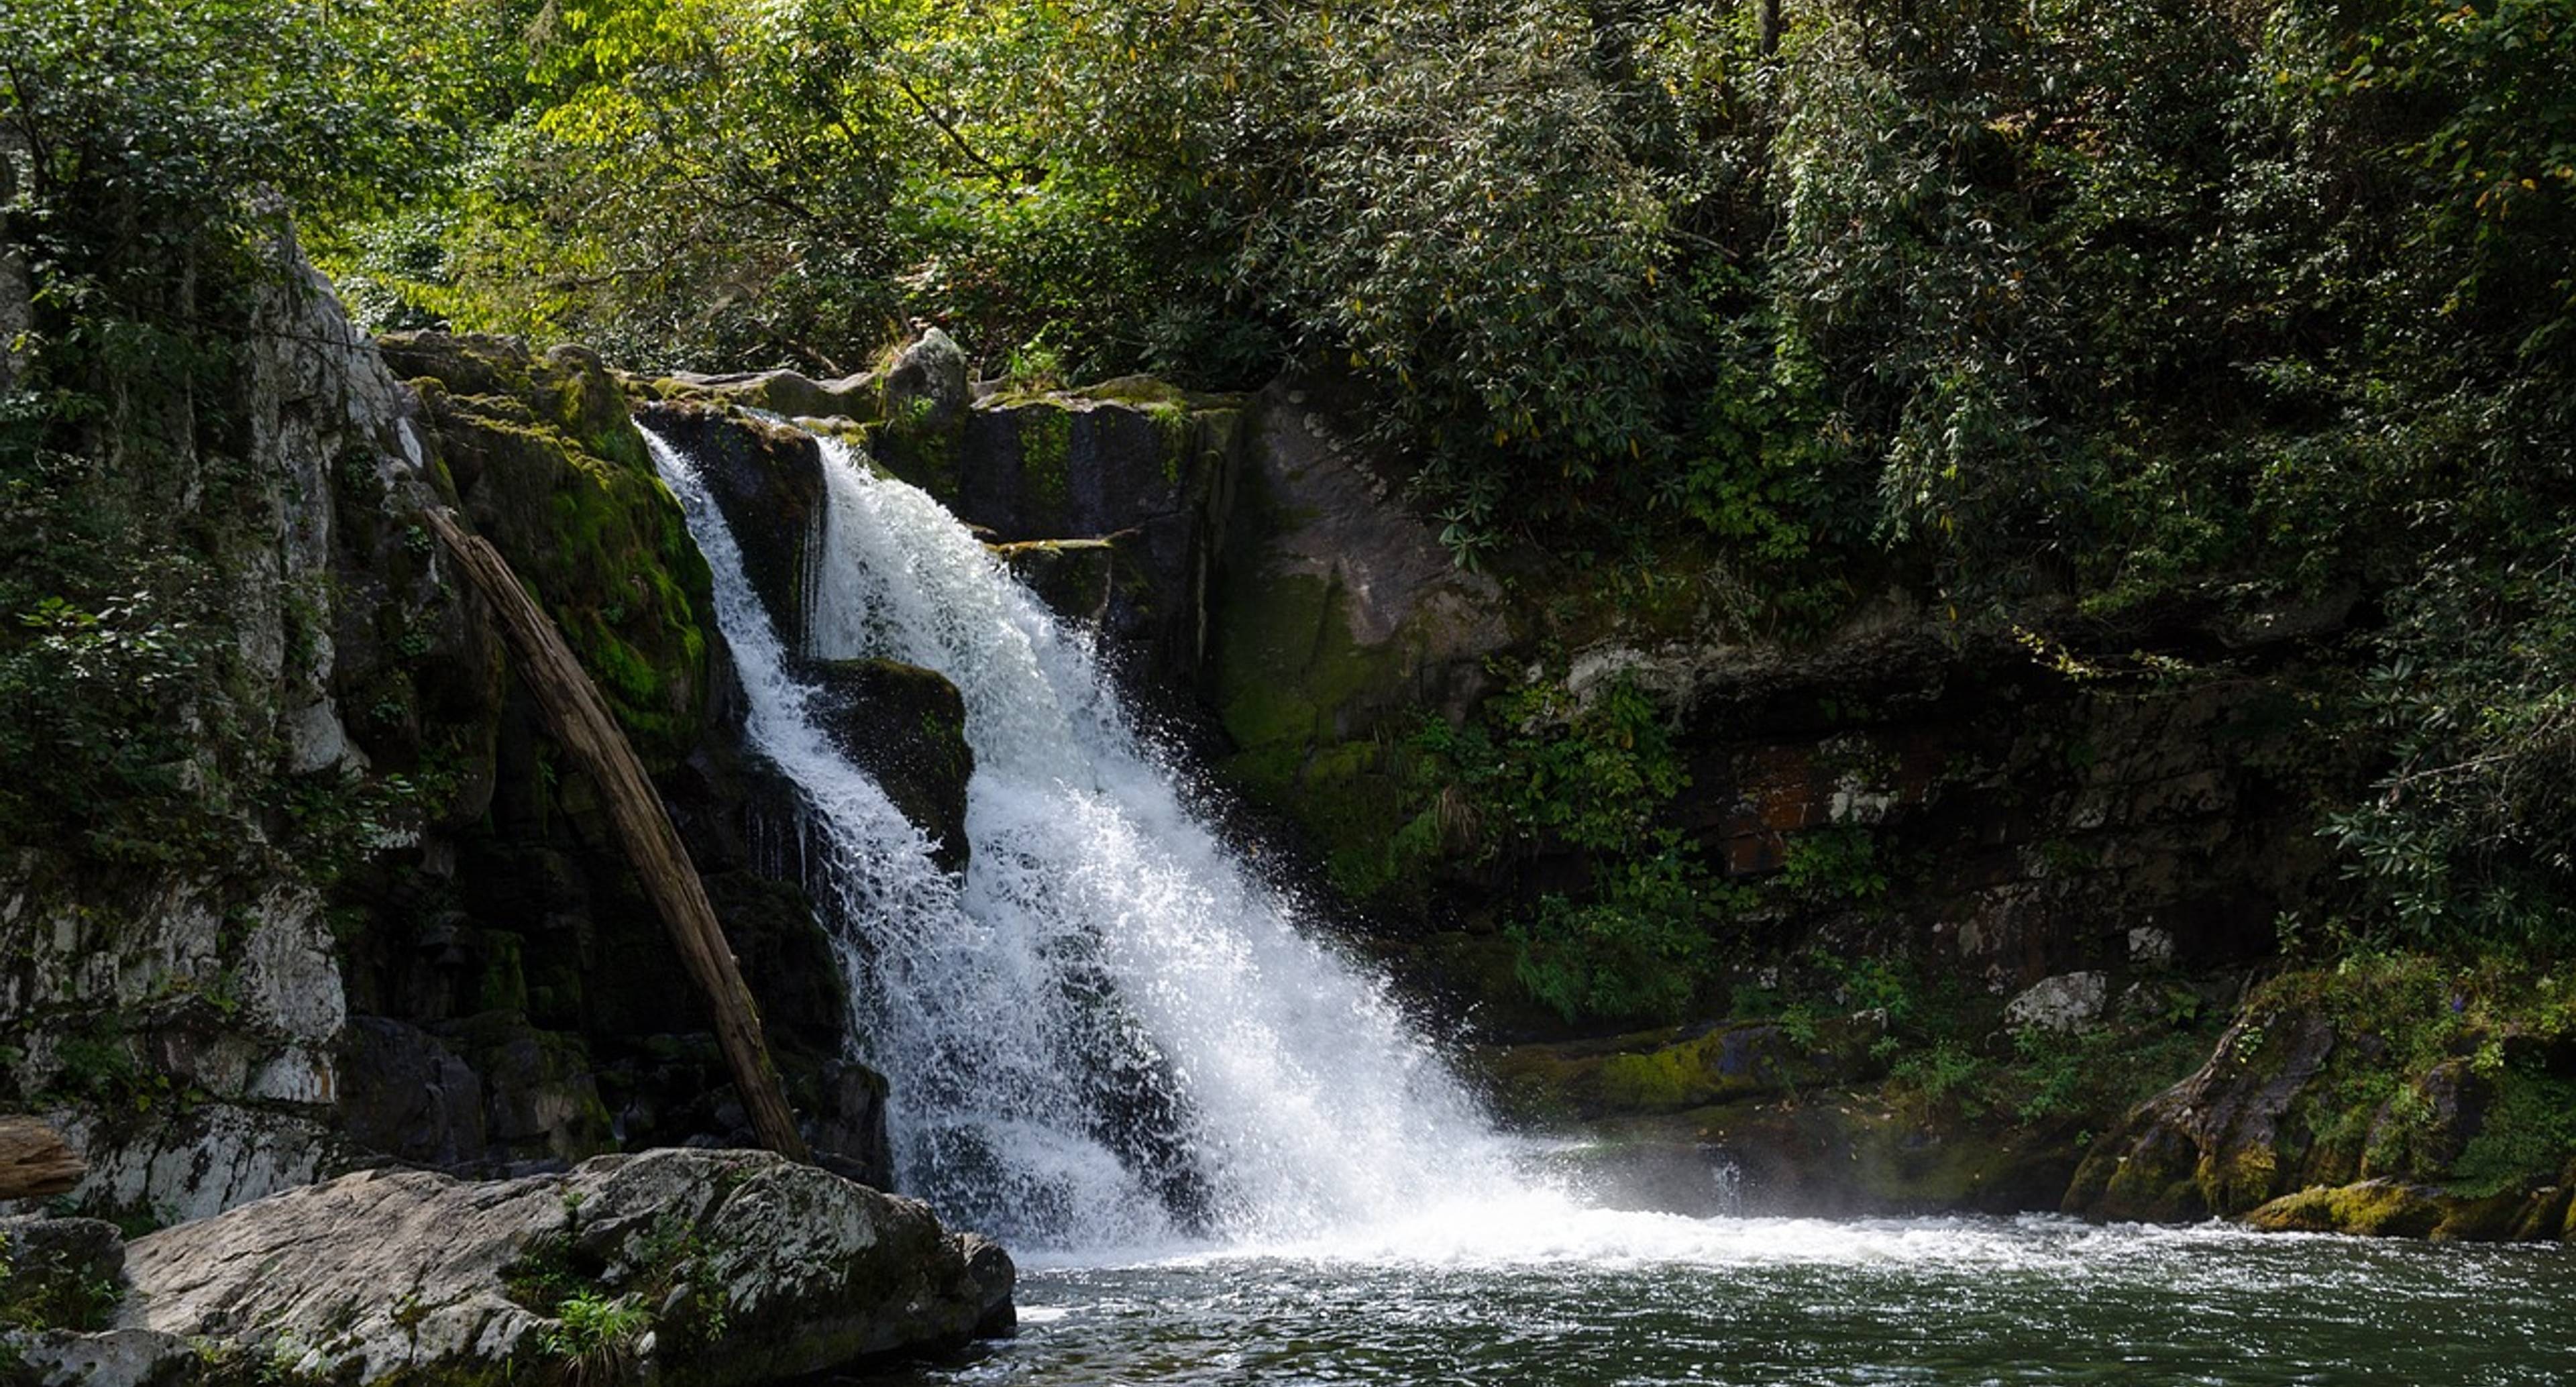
x,y
1112,1032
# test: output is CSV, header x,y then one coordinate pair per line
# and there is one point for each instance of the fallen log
x,y
580,719
35,1160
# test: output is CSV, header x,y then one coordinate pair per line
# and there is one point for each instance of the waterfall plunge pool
x,y
1588,1298
1111,1032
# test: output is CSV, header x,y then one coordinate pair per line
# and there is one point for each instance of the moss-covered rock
x,y
546,463
2223,1140
1678,1068
791,394
2389,1208
2397,1094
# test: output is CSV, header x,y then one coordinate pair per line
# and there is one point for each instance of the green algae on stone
x,y
548,466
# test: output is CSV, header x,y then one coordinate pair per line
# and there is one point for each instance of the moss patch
x,y
550,468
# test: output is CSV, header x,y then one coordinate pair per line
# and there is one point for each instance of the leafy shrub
x,y
596,1338
1640,946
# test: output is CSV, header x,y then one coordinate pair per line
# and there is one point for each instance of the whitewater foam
x,y
1111,1033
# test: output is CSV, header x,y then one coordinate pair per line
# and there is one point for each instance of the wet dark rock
x,y
1146,467
847,1126
407,1095
768,481
906,726
1074,577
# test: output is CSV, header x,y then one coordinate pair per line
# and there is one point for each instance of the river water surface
x,y
1646,1299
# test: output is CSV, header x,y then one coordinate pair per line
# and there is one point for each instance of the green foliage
x,y
596,1338
1542,765
2464,837
1641,946
1837,865
600,1308
1541,771
39,1292
2528,1132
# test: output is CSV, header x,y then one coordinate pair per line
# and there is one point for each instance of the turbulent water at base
x,y
1644,1299
1111,1033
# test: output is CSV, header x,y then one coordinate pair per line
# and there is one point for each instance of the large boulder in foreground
x,y
682,1266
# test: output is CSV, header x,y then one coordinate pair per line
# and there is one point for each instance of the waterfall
x,y
1112,1031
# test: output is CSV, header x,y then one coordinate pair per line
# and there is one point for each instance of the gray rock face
x,y
411,1095
848,1126
223,980
2066,1002
782,392
727,1266
928,380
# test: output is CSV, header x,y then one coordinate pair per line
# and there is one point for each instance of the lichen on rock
x,y
703,1268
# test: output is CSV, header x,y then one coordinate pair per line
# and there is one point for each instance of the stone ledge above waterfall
x,y
1141,476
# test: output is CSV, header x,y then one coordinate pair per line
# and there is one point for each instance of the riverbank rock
x,y
2214,1143
676,1266
2409,1096
2401,1209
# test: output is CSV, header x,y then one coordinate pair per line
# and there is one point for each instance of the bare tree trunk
x,y
35,1160
1770,34
581,720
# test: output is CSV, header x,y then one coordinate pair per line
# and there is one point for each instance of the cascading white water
x,y
1112,1032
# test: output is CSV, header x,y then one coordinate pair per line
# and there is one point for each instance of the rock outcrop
x,y
409,934
2366,1101
681,1267
1135,477
1340,619
178,1013
906,726
767,479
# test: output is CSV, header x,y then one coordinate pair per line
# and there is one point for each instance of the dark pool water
x,y
1600,1298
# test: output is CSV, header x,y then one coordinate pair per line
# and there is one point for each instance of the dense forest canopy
x,y
2116,305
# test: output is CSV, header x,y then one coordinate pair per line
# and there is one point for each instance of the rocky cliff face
x,y
185,1022
408,933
